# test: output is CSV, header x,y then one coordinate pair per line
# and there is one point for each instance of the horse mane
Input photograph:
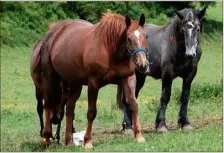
x,y
110,28
164,27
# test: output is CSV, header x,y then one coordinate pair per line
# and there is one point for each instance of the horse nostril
x,y
190,57
194,55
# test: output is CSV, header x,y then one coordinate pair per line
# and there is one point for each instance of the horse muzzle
x,y
190,53
144,69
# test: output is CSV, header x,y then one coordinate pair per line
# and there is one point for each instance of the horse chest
x,y
183,69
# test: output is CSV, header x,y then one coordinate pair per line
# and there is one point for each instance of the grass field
x,y
20,124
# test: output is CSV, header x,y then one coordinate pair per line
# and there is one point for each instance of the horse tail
x,y
36,50
43,44
120,96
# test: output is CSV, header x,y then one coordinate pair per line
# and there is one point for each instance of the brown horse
x,y
94,55
36,74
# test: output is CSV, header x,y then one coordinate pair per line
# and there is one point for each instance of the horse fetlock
x,y
126,126
183,121
45,140
47,134
69,140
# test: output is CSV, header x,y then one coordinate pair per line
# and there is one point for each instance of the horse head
x,y
137,45
191,29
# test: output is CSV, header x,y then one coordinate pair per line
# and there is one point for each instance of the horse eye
x,y
146,36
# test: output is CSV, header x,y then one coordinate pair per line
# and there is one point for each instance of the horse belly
x,y
69,66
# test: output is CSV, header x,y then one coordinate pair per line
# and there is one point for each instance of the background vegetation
x,y
22,23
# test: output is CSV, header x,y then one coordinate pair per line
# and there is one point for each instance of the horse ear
x,y
180,16
127,21
142,20
202,12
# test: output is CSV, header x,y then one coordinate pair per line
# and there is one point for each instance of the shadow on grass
x,y
37,147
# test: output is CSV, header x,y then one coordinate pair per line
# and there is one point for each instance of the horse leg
x,y
52,98
127,121
186,86
129,84
40,108
73,118
57,135
164,100
70,107
140,79
47,131
64,99
91,114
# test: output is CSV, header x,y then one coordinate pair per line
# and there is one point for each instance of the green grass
x,y
20,124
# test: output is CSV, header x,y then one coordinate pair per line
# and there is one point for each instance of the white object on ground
x,y
78,138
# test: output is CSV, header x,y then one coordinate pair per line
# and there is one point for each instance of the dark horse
x,y
108,52
174,51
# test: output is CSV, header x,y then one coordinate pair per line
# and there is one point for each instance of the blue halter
x,y
133,53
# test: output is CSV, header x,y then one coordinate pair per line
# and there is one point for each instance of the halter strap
x,y
133,53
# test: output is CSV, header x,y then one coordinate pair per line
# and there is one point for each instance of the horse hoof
x,y
187,127
69,143
161,129
45,141
140,139
128,132
88,145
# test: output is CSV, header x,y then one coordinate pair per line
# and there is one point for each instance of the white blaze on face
x,y
137,34
189,19
190,29
142,59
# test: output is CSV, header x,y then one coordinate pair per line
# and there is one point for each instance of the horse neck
x,y
114,47
121,47
174,35
174,29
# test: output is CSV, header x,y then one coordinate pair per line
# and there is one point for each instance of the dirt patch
x,y
172,126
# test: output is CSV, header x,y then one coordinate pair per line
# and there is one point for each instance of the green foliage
x,y
22,23
201,91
